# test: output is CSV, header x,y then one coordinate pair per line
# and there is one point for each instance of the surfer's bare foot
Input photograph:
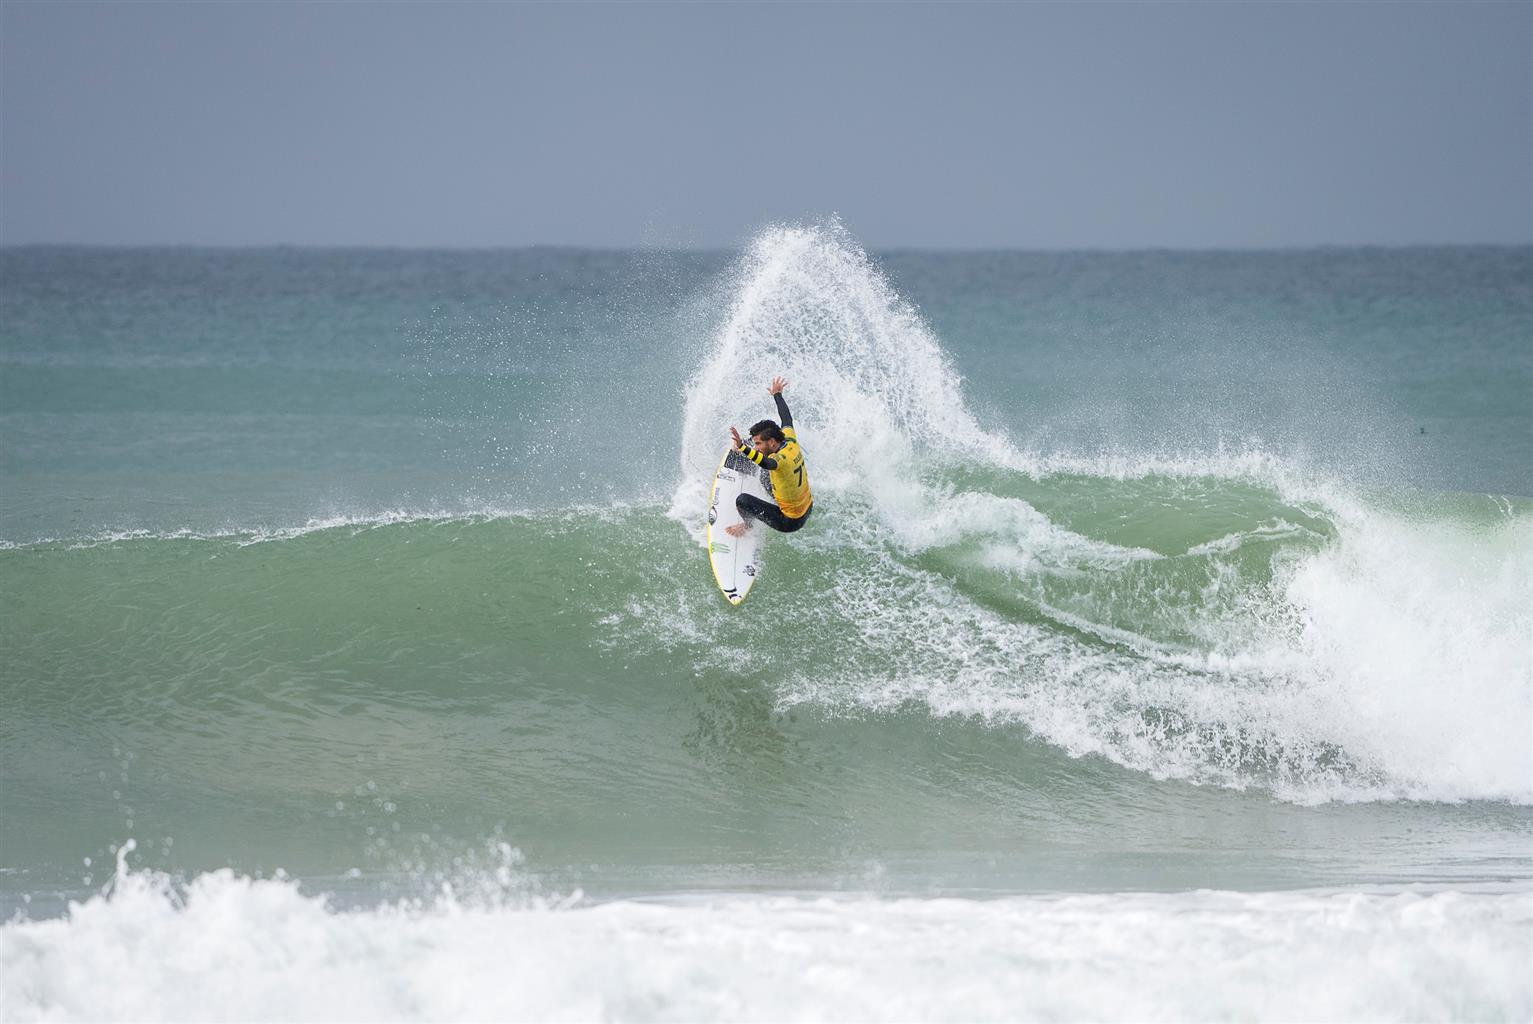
x,y
737,530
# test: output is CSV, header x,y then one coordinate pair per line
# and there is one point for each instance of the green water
x,y
1128,571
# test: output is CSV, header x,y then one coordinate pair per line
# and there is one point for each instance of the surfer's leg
x,y
752,507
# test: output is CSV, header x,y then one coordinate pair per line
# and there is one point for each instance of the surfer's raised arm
x,y
775,390
761,453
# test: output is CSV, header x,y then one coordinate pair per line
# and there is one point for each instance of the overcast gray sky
x,y
1118,125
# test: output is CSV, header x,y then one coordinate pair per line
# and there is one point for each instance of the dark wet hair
x,y
769,430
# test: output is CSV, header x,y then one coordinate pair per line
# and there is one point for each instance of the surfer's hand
x,y
775,388
739,442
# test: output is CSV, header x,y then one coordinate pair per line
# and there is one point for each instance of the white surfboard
x,y
736,560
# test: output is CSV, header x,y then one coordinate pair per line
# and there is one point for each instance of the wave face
x,y
997,662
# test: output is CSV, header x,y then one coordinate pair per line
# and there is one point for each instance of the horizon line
x,y
716,249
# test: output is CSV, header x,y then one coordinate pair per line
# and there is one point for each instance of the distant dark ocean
x,y
1161,647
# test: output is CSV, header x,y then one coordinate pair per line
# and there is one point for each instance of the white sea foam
x,y
1390,660
1422,635
1273,531
227,947
356,522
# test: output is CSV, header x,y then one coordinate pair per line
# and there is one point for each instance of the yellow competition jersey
x,y
790,484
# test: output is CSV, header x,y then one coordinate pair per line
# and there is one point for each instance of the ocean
x,y
1161,646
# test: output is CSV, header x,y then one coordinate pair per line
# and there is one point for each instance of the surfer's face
x,y
765,444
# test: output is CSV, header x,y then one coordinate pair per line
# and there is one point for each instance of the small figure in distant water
x,y
1423,430
776,449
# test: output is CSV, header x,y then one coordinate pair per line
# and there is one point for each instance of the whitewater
x,y
1339,657
1162,647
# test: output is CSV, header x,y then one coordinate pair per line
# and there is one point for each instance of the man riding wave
x,y
776,449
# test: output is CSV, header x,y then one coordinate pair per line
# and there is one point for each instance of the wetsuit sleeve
x,y
759,458
782,409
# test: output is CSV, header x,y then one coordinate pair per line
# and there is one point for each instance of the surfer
x,y
776,449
